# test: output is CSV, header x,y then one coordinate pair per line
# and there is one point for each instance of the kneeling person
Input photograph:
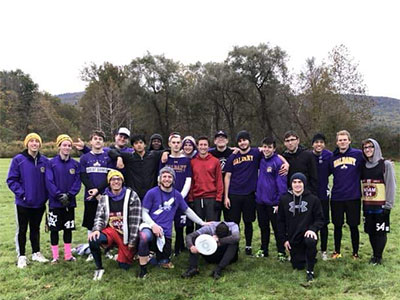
x,y
227,237
299,219
117,221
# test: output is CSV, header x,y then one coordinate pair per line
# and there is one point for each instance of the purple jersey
x,y
244,170
182,168
323,161
162,207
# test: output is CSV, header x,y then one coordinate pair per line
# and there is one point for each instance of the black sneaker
x,y
372,261
216,274
143,273
190,273
248,250
310,276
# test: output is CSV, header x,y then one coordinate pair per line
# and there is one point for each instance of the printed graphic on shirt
x,y
96,168
167,206
52,219
116,221
343,161
242,159
302,206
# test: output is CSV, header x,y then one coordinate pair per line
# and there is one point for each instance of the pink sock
x,y
54,250
67,251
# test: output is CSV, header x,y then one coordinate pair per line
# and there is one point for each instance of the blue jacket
x,y
26,179
62,177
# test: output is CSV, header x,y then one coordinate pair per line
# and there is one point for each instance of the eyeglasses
x,y
290,140
116,179
368,147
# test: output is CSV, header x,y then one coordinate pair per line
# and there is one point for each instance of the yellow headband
x,y
113,173
61,138
31,136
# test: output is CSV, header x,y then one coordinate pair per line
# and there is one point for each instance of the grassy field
x,y
250,278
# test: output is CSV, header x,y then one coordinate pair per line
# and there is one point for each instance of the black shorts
x,y
376,223
61,219
89,214
325,211
352,209
242,204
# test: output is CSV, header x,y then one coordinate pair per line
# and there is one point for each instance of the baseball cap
x,y
125,131
221,133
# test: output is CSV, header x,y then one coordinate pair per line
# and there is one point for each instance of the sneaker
x,y
168,265
22,262
143,273
54,261
282,257
355,256
90,257
39,257
191,272
216,274
109,255
324,255
260,253
71,259
310,276
98,274
378,261
336,255
248,250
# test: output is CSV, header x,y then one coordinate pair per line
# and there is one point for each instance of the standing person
x,y
156,142
322,158
240,186
207,186
345,165
159,208
378,191
140,167
117,221
300,160
26,179
189,146
299,219
63,183
270,187
227,237
183,171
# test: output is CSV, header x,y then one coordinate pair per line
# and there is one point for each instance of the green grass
x,y
250,278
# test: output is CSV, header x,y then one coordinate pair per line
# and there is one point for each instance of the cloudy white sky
x,y
53,40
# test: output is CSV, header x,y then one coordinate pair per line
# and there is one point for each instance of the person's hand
x,y
216,238
157,230
275,209
164,157
193,249
120,163
287,246
284,170
235,150
92,193
94,235
64,199
310,234
227,203
131,246
79,145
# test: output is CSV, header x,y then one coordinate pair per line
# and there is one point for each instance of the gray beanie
x,y
168,170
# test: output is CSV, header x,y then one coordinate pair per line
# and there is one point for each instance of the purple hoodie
x,y
26,179
270,185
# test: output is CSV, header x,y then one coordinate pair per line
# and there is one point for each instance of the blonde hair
x,y
343,132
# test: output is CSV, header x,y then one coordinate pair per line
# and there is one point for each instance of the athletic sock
x,y
54,251
67,251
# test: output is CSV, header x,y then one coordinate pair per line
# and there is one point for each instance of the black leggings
x,y
378,243
324,238
355,238
67,237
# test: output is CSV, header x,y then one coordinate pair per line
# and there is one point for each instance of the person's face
x,y
343,142
188,148
116,183
297,186
121,140
166,180
175,144
221,141
318,146
268,150
243,144
97,142
65,148
368,150
291,143
202,146
156,144
139,146
33,145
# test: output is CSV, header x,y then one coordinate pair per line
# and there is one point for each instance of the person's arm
x,y
100,218
192,216
233,238
76,186
134,218
186,187
390,185
190,238
50,183
227,181
219,182
313,174
13,179
284,170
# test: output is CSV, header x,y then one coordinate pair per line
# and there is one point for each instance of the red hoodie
x,y
206,178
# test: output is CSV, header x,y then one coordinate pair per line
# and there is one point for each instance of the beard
x,y
166,185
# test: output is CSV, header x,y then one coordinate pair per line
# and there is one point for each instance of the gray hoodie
x,y
389,175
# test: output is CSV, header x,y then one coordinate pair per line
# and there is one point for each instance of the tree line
x,y
252,89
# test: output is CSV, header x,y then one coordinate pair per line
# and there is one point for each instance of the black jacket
x,y
297,214
303,161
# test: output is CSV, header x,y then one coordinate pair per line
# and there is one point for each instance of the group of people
x,y
136,196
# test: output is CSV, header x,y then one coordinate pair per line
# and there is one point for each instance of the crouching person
x,y
227,236
117,221
159,207
299,219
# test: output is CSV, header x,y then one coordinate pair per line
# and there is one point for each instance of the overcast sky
x,y
53,40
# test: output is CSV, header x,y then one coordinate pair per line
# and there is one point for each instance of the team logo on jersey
x,y
42,169
269,170
96,164
72,171
343,161
166,206
302,206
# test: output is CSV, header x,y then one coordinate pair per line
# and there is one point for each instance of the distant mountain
x,y
70,98
386,112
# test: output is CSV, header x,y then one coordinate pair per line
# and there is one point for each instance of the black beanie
x,y
318,137
300,176
243,135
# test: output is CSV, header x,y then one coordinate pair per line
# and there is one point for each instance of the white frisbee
x,y
206,244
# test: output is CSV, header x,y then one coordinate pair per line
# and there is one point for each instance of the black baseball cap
x,y
220,133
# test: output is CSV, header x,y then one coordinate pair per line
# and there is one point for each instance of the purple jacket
x,y
270,186
26,179
346,170
323,162
62,177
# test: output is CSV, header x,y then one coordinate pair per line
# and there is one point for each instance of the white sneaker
x,y
90,257
39,257
109,255
98,274
324,256
22,262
